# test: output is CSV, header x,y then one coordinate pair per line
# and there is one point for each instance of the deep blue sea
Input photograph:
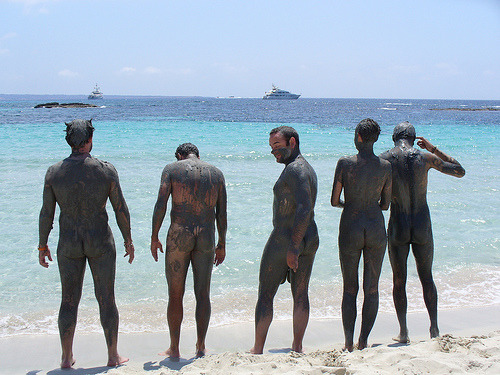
x,y
139,136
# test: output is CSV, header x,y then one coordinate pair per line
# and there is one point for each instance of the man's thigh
x,y
103,270
273,264
180,245
71,272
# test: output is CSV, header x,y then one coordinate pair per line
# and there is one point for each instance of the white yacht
x,y
276,93
96,93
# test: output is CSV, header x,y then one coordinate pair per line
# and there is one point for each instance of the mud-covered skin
x,y
292,243
81,186
199,201
410,221
366,181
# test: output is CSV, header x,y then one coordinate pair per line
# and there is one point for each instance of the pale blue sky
x,y
447,49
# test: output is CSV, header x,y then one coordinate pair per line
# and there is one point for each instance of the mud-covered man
x,y
81,186
199,201
410,220
292,245
366,181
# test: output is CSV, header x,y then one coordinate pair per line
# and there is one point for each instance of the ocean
x,y
139,135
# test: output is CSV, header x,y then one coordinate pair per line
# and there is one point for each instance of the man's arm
x,y
45,222
159,213
300,185
337,187
121,213
439,160
386,194
221,219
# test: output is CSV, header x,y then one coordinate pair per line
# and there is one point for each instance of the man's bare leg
x,y
399,262
300,293
71,272
349,261
202,259
423,257
273,268
372,266
103,272
177,259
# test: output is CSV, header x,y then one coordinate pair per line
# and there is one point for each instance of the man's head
x,y
284,140
368,130
79,133
186,149
405,131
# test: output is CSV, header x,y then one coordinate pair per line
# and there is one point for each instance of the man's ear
x,y
360,139
292,142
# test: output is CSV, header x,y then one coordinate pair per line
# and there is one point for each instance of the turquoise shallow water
x,y
139,136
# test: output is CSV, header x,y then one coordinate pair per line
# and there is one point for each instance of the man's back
x,y
195,188
409,179
363,179
81,187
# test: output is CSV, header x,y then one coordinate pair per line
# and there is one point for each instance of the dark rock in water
x,y
65,105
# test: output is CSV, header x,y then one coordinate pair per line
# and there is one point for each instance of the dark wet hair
x,y
288,132
185,149
405,130
78,132
369,130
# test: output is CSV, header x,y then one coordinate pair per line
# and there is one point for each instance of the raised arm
x,y
439,160
45,222
221,219
121,213
159,213
337,186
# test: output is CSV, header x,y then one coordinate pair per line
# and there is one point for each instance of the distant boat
x,y
277,93
96,93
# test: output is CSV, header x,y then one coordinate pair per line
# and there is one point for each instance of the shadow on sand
x,y
172,364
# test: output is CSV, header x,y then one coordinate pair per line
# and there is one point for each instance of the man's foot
x,y
171,353
402,338
200,353
67,363
117,361
255,350
362,344
297,348
348,348
434,331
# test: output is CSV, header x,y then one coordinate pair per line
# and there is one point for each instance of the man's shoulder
x,y
299,168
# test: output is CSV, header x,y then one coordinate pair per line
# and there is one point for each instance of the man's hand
x,y
129,251
425,144
292,260
155,245
41,257
220,254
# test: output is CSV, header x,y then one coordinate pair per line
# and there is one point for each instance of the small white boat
x,y
276,93
96,93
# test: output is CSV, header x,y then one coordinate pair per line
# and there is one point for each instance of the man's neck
x,y
79,154
293,156
365,149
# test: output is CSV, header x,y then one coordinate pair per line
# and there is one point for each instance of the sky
x,y
424,49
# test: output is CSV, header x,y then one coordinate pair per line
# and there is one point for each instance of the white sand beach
x,y
469,343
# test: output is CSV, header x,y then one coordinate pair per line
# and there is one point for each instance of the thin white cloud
x,y
8,36
67,73
4,51
152,70
31,6
127,70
